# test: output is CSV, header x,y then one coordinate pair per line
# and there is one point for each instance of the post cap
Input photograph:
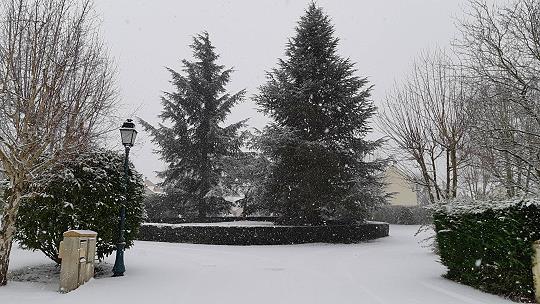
x,y
80,233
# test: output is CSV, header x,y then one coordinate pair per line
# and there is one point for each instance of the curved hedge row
x,y
263,235
488,245
212,219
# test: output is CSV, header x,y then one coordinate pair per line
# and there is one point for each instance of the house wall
x,y
404,194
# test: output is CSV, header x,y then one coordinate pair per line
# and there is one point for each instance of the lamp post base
x,y
119,267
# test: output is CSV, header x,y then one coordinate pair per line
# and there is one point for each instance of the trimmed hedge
x,y
402,215
489,245
212,219
263,235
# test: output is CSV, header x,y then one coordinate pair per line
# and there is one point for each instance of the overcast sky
x,y
382,36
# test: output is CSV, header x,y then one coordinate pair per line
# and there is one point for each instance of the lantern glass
x,y
128,133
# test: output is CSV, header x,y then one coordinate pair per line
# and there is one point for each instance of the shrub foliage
x,y
489,245
83,193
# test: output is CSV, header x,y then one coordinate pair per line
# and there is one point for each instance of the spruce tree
x,y
194,142
321,113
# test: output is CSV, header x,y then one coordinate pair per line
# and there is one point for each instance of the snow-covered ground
x,y
395,269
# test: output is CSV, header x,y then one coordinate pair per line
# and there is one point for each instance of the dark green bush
x,y
84,193
489,245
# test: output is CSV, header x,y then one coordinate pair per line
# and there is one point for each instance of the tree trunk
x,y
202,210
509,176
425,176
448,169
202,205
453,160
7,231
203,191
527,179
435,183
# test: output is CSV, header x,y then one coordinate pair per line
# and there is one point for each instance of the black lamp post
x,y
128,134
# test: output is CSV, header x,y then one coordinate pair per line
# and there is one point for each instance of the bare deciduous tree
x,y
500,49
56,88
425,118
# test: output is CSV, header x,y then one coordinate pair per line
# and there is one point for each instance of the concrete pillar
x,y
78,252
536,269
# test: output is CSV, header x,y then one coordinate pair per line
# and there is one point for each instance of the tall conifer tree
x,y
321,112
194,142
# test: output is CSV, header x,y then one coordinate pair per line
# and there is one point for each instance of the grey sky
x,y
381,36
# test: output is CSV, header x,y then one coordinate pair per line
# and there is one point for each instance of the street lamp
x,y
128,134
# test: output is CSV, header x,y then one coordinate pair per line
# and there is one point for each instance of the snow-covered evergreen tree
x,y
321,112
196,141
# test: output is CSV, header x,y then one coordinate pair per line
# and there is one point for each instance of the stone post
x,y
78,252
536,269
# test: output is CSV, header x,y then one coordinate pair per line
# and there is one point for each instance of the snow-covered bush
x,y
84,193
488,245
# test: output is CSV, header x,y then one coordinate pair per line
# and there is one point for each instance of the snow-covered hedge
x,y
84,193
209,219
261,235
402,215
488,244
